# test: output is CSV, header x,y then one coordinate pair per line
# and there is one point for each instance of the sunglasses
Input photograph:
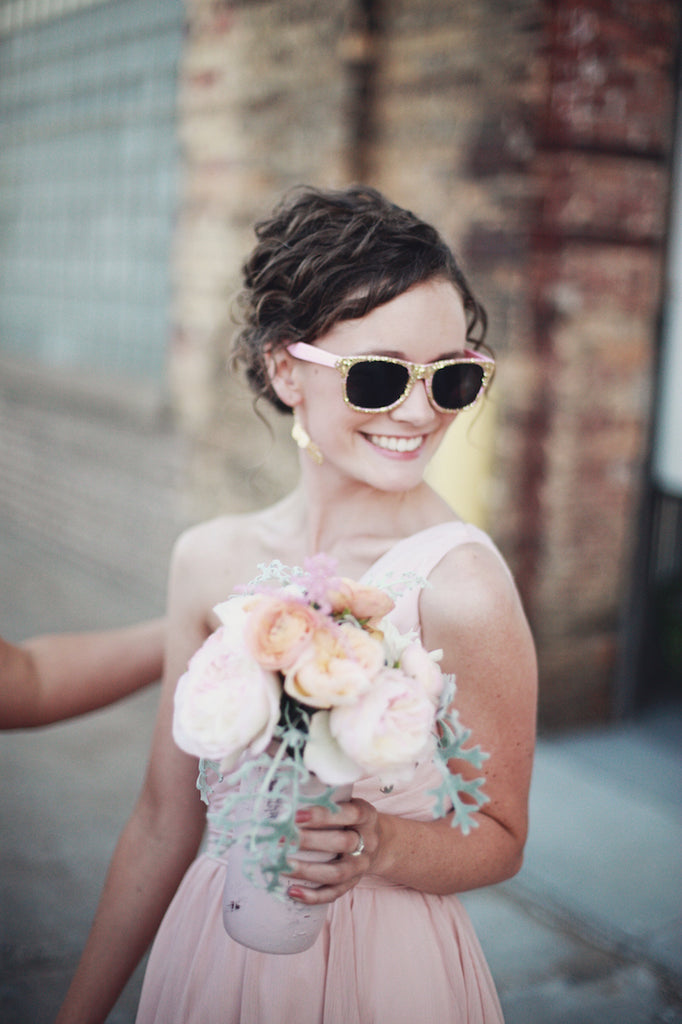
x,y
382,383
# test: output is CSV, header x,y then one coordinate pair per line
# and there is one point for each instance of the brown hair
x,y
325,256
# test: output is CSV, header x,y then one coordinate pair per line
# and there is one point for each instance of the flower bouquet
x,y
307,686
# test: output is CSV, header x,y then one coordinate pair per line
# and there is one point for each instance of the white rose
x,y
394,641
226,705
233,614
389,730
323,755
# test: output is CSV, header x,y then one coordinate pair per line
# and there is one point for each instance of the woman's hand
x,y
351,836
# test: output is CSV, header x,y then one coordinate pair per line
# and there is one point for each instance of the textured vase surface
x,y
269,921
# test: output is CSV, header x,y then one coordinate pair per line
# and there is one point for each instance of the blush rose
x,y
389,729
226,705
422,666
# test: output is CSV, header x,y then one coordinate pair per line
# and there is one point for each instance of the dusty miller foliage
x,y
263,816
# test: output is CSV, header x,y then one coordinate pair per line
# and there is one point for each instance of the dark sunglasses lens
x,y
455,387
375,384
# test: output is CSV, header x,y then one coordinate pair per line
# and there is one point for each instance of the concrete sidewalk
x,y
591,928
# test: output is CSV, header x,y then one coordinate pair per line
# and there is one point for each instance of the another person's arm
x,y
49,678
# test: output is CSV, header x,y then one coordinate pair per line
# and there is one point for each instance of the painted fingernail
x,y
295,893
303,815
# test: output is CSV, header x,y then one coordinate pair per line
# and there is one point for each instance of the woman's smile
x,y
396,443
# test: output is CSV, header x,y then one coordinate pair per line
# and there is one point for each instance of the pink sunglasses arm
x,y
311,354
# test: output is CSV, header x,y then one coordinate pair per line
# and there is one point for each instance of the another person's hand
x,y
50,678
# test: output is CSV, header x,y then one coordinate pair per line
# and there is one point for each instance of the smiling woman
x,y
359,322
396,439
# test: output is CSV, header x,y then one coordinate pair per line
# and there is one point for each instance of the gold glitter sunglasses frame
x,y
416,371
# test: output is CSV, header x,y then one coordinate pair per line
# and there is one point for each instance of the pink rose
x,y
226,705
364,602
389,729
278,629
422,666
337,666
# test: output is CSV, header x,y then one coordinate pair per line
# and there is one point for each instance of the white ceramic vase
x,y
271,922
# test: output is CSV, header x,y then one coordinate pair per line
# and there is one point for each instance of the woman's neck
x,y
355,523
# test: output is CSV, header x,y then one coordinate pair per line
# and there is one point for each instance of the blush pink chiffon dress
x,y
386,954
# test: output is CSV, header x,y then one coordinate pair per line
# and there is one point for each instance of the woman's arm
x,y
161,836
471,610
49,678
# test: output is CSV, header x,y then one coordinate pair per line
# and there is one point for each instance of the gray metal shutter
x,y
88,181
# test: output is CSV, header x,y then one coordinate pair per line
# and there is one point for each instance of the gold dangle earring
x,y
303,440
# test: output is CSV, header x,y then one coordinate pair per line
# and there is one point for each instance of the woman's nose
x,y
416,408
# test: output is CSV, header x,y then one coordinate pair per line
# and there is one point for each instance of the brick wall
x,y
602,170
264,102
536,136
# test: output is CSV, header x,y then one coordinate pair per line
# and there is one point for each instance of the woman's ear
x,y
281,371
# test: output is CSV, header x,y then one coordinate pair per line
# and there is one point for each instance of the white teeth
x,y
397,444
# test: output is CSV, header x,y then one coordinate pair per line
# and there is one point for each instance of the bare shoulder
x,y
205,541
471,601
212,558
471,574
472,612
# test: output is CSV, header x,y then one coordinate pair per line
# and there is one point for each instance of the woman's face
x,y
389,450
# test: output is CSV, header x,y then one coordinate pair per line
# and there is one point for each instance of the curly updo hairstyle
x,y
326,256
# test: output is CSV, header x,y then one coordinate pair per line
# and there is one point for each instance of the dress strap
x,y
420,554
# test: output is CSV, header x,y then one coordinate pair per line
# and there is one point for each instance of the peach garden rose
x,y
368,604
279,628
339,664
